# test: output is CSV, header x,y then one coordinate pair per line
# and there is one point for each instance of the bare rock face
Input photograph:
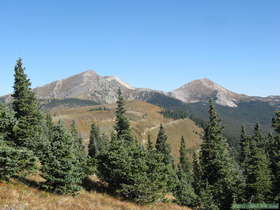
x,y
103,89
203,90
86,85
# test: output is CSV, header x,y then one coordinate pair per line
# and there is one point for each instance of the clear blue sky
x,y
159,44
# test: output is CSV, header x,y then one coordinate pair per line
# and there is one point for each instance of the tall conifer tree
x,y
62,170
163,147
274,151
218,166
258,179
28,130
184,191
122,126
96,143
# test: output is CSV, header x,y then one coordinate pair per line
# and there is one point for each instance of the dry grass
x,y
145,119
18,196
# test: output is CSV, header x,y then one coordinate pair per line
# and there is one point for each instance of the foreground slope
x,y
145,119
19,196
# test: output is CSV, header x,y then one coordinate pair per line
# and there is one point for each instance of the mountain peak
x,y
114,78
204,89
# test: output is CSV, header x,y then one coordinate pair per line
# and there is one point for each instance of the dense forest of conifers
x,y
31,143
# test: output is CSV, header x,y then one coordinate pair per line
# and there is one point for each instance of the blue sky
x,y
159,44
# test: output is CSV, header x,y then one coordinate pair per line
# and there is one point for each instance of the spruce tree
x,y
258,179
80,151
96,142
16,162
29,127
218,167
163,148
62,169
184,162
122,126
184,191
244,146
274,151
132,172
7,123
197,175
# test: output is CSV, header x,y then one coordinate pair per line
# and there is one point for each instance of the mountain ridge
x,y
89,85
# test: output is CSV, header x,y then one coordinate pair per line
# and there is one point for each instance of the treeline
x,y
174,114
30,142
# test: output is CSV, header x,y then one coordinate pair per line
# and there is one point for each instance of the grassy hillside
x,y
248,113
145,119
18,196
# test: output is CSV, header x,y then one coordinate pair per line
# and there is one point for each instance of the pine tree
x,y
122,126
274,151
62,167
218,166
28,130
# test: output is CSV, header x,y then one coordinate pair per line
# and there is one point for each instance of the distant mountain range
x,y
89,88
89,85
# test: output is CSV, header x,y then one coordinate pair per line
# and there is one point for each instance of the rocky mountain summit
x,y
203,90
86,85
89,85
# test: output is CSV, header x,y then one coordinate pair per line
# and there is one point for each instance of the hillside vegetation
x,y
145,119
18,196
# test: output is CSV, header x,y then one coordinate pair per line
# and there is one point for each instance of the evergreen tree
x,y
62,167
258,180
96,142
274,151
7,123
244,153
16,162
122,126
28,129
164,148
132,172
184,192
258,137
207,199
218,167
80,151
184,162
244,146
197,175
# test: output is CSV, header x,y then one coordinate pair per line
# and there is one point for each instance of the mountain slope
x,y
86,85
145,119
204,89
17,195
